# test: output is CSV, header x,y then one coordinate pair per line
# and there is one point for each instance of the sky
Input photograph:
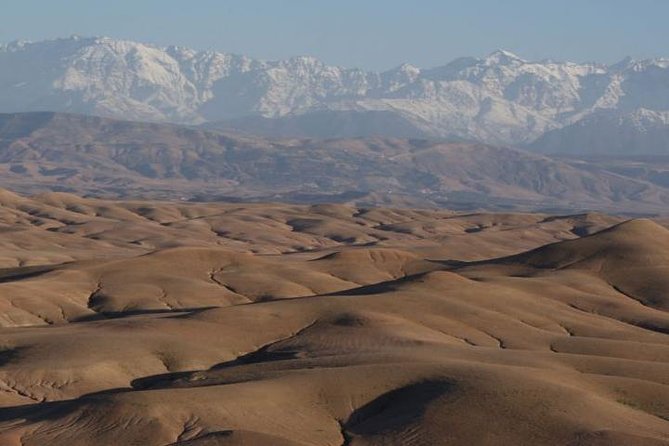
x,y
370,34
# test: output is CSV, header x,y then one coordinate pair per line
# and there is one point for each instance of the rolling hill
x,y
172,323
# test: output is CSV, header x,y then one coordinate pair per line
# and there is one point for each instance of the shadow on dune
x,y
41,411
378,288
22,273
176,313
236,437
395,410
266,353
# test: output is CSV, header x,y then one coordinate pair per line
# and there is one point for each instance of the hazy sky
x,y
376,34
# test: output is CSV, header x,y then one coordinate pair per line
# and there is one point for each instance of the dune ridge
x,y
161,323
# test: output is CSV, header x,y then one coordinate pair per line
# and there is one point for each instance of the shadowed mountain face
x,y
158,323
104,157
641,132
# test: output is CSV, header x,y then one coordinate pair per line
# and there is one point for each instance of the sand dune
x,y
223,324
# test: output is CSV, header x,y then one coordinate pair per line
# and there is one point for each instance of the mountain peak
x,y
406,69
504,57
623,63
466,99
306,61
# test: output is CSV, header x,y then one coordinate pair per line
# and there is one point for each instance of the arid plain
x,y
168,323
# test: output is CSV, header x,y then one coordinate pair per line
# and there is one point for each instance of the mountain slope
x,y
328,124
641,132
500,99
105,157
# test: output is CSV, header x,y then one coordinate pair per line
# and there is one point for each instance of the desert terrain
x,y
179,323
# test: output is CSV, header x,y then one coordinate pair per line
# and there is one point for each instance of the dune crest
x,y
161,323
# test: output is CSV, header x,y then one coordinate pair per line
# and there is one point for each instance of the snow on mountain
x,y
500,98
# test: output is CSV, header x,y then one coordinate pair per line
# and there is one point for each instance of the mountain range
x,y
498,99
96,156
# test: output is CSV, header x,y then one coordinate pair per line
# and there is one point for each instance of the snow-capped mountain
x,y
501,98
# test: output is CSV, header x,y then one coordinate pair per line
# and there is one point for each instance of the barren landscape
x,y
173,323
262,223
93,156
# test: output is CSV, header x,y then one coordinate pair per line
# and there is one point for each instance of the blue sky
x,y
374,34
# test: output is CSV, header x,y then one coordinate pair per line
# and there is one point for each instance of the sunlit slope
x,y
452,329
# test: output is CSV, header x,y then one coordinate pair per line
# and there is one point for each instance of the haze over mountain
x,y
112,158
499,99
641,132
